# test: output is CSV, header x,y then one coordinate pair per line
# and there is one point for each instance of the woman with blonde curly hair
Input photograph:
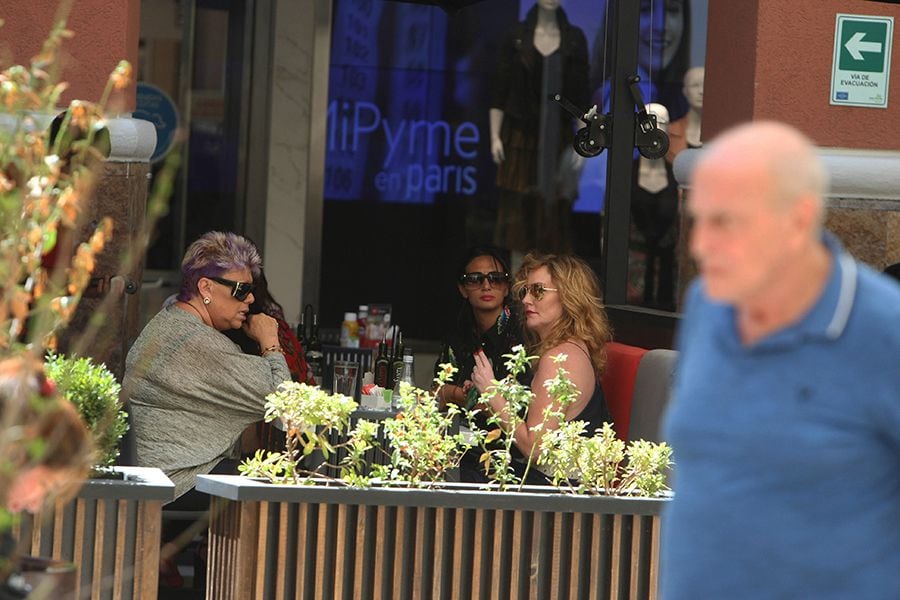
x,y
563,314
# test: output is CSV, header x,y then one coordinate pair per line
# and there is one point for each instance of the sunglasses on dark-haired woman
x,y
476,279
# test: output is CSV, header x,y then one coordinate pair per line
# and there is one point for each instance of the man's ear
x,y
805,217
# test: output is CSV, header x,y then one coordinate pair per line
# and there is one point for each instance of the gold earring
x,y
206,301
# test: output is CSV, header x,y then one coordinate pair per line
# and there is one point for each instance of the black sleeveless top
x,y
594,413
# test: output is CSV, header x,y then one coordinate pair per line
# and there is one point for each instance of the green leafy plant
x,y
497,444
424,445
94,391
309,415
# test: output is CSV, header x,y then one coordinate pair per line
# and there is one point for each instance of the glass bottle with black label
x,y
382,368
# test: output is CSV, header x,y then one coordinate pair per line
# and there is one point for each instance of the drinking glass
x,y
344,377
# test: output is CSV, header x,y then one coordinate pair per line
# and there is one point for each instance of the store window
x,y
414,173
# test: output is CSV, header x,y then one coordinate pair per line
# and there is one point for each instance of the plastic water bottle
x,y
406,375
350,331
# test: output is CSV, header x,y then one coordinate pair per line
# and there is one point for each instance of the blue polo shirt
x,y
787,452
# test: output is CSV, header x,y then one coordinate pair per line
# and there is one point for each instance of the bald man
x,y
785,421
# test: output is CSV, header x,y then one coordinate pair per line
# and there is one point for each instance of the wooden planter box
x,y
270,541
111,530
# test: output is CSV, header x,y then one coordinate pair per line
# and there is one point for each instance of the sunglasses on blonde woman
x,y
535,289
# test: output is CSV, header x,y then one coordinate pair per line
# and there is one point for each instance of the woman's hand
x,y
263,329
483,373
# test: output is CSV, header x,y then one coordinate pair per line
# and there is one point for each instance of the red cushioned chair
x,y
618,379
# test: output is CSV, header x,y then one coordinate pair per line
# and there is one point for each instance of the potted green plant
x,y
93,389
397,525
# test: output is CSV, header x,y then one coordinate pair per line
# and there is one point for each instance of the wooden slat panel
x,y
261,558
281,562
138,544
246,549
58,523
147,561
380,565
303,548
653,590
515,575
77,554
636,549
614,578
440,527
373,548
535,566
457,554
342,560
99,533
502,568
321,538
600,577
374,552
119,556
577,562
214,574
482,533
362,541
36,527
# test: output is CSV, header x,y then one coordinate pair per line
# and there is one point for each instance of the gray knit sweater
x,y
192,392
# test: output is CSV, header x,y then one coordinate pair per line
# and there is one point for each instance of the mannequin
x,y
530,135
663,58
685,132
654,211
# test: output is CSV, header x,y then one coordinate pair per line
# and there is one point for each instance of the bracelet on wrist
x,y
271,349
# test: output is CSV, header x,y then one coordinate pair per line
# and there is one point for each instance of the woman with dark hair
x,y
265,303
563,315
486,322
192,391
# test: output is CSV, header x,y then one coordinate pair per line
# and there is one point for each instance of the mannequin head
x,y
662,114
693,87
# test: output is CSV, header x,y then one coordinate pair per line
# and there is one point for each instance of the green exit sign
x,y
861,67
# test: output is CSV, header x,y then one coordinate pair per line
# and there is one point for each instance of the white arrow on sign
x,y
856,46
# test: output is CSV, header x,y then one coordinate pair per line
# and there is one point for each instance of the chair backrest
x,y
652,389
618,380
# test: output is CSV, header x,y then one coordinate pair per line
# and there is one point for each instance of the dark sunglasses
x,y
494,278
240,289
535,289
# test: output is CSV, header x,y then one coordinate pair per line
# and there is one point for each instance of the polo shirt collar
x,y
828,317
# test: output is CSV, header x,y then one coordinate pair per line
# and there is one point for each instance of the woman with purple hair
x,y
192,391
